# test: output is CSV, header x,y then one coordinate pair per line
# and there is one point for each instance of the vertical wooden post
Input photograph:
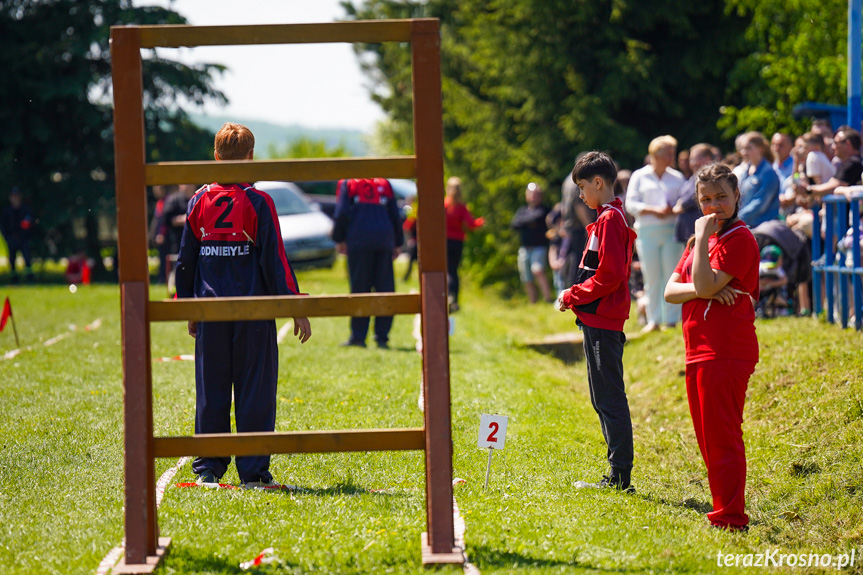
x,y
129,158
438,546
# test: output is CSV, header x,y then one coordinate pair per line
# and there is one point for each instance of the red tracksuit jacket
x,y
600,297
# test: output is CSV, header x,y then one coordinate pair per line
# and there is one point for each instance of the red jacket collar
x,y
615,203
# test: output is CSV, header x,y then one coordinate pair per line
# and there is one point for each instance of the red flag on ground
x,y
7,313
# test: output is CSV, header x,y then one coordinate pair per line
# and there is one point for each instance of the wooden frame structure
x,y
144,547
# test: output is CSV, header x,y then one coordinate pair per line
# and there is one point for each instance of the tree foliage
x,y
796,53
57,143
306,147
527,84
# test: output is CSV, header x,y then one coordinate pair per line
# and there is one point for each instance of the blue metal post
x,y
855,56
817,268
855,261
842,278
829,260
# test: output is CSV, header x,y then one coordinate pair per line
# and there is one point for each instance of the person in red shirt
x,y
716,280
600,300
459,220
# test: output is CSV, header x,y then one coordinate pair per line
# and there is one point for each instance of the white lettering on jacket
x,y
225,251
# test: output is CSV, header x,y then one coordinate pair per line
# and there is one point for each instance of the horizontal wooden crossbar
x,y
227,444
372,31
314,169
270,307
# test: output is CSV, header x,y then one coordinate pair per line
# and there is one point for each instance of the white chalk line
x,y
96,324
285,331
110,560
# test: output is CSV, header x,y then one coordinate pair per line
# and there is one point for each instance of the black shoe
x,y
383,345
454,307
352,343
606,482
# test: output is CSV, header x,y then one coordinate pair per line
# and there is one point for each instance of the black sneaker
x,y
383,345
606,482
352,343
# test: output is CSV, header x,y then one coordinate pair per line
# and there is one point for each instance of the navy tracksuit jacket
x,y
232,246
367,219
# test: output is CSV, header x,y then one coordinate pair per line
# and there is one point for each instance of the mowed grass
x,y
61,469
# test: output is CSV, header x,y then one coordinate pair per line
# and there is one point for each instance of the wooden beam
x,y
152,563
270,307
431,239
370,31
140,484
428,144
227,444
290,170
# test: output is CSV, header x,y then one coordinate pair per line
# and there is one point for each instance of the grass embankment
x,y
61,471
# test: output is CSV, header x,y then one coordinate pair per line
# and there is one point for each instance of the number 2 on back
x,y
220,222
491,436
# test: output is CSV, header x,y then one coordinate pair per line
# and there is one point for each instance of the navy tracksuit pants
x,y
371,268
242,355
603,353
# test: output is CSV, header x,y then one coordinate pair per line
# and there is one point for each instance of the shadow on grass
x,y
486,557
338,489
690,503
190,560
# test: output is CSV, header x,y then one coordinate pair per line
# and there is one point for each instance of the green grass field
x,y
61,471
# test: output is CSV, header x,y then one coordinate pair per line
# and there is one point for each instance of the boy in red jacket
x,y
600,300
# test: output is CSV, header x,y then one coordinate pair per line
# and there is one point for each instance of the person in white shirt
x,y
653,191
819,169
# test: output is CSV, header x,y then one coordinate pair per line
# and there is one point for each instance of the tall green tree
x,y
56,111
796,52
528,84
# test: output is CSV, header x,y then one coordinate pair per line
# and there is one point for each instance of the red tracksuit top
x,y
600,297
458,217
232,246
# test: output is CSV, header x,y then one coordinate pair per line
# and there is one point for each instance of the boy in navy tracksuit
x,y
600,300
368,228
232,246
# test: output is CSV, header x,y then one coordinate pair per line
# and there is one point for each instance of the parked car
x,y
306,230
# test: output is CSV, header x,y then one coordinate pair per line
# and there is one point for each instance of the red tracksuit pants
x,y
717,391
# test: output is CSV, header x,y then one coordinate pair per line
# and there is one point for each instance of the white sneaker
x,y
261,485
207,479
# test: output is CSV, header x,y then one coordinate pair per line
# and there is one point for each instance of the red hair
x,y
234,142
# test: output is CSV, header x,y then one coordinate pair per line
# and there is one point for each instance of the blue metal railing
x,y
831,264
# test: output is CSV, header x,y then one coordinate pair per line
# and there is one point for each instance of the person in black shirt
x,y
529,220
846,147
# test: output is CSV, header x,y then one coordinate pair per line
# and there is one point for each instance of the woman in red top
x,y
714,280
458,221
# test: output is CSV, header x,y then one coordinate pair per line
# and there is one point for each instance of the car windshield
x,y
288,203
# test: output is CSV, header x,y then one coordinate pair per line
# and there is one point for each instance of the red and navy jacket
x,y
600,296
367,215
232,246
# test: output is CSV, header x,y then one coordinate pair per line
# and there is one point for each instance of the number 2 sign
x,y
492,431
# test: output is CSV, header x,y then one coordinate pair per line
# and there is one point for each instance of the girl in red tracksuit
x,y
714,280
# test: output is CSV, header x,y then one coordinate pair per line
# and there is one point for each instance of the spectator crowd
x,y
780,179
